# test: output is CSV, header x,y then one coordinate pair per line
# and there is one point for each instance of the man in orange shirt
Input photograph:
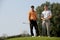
x,y
33,21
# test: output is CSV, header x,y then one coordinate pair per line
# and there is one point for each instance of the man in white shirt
x,y
45,16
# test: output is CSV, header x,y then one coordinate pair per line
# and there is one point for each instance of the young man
x,y
33,21
45,16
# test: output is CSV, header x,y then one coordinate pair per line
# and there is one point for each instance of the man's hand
x,y
43,18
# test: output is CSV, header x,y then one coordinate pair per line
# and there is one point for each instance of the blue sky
x,y
14,12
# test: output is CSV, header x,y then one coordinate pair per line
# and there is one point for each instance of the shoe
x,y
48,36
38,36
33,36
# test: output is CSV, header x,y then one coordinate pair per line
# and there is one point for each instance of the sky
x,y
13,13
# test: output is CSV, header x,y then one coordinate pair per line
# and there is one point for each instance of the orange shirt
x,y
32,15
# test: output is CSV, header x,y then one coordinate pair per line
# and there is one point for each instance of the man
x,y
33,21
45,16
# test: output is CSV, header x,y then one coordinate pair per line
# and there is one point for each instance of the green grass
x,y
36,38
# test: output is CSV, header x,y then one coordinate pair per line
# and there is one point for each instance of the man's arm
x,y
42,17
36,15
29,16
50,15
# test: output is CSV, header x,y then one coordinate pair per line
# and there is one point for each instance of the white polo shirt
x,y
46,13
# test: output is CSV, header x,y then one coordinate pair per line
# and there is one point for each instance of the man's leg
x,y
36,28
43,28
48,26
31,28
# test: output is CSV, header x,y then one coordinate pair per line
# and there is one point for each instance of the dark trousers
x,y
34,24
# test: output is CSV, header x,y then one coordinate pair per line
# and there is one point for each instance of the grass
x,y
35,38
